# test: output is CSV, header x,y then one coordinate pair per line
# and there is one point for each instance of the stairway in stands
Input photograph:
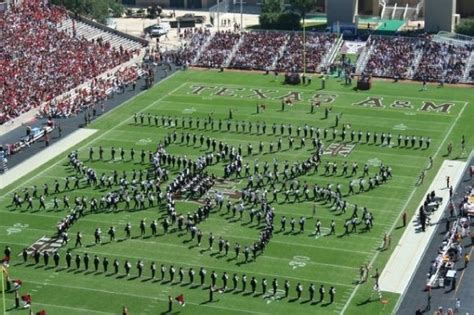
x,y
90,33
202,48
234,50
469,68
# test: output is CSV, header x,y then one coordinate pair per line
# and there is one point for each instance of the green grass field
x,y
297,257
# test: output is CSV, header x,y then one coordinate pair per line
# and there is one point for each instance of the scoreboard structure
x,y
344,12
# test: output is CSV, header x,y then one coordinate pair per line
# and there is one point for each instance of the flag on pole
x,y
180,299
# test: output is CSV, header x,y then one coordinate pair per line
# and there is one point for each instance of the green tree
x,y
94,9
302,7
466,27
271,6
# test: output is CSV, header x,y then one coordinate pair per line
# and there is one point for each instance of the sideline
x,y
406,257
409,199
44,156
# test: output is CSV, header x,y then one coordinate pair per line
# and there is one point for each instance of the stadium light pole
x,y
241,16
218,15
304,48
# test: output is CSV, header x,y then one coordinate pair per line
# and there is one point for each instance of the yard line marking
x,y
85,311
102,134
154,298
404,207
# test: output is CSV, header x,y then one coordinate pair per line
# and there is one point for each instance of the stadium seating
x,y
390,57
418,58
194,39
38,61
443,61
263,50
259,50
91,33
317,46
85,97
216,53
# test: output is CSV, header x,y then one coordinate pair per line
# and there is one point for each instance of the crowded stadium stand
x,y
259,50
219,49
40,61
391,57
442,61
412,58
317,46
433,59
195,39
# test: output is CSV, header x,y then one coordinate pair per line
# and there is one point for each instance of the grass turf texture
x,y
332,260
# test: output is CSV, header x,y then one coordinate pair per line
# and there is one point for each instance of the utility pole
x,y
218,15
241,16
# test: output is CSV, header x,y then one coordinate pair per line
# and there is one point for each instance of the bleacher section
x,y
409,58
271,50
442,62
54,60
218,49
259,50
469,74
392,56
91,33
418,58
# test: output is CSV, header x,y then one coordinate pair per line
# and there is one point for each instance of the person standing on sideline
x,y
170,303
457,306
332,294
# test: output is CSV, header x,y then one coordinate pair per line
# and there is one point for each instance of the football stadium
x,y
196,163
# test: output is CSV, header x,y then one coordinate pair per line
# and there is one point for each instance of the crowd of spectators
x,y
219,49
317,46
259,50
38,62
443,62
194,39
392,56
92,95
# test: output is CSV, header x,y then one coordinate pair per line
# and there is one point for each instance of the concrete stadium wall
x,y
437,19
465,8
342,11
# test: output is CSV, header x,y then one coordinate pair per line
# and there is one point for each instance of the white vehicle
x,y
158,30
111,23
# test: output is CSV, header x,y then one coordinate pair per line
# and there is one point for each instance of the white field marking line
x,y
266,256
85,311
134,295
28,228
208,267
98,137
279,88
406,204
